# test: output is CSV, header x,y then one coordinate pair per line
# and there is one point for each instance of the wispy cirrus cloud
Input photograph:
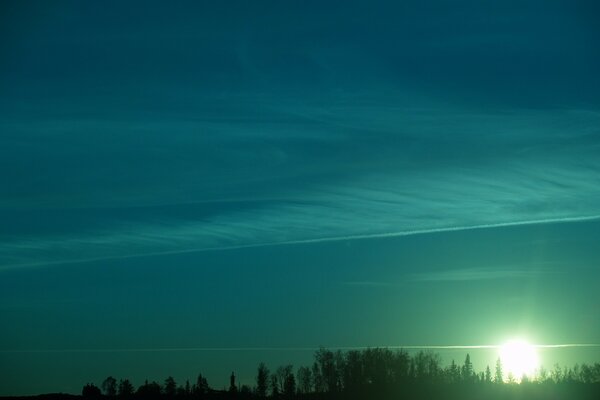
x,y
478,274
461,275
407,172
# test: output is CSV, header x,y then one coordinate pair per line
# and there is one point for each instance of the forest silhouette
x,y
374,373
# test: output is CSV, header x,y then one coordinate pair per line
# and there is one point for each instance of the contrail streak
x,y
305,348
314,241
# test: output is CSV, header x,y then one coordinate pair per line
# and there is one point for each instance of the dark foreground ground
x,y
576,391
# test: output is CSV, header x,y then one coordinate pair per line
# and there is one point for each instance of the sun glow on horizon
x,y
519,359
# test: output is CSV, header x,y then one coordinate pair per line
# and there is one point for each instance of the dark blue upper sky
x,y
292,174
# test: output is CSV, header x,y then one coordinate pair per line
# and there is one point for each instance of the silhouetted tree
x,y
401,363
432,369
327,363
586,374
595,373
283,373
150,390
453,372
289,386
274,386
232,386
420,366
557,374
262,380
201,387
170,387
125,389
304,380
318,384
91,391
467,369
498,376
488,375
375,373
109,385
353,374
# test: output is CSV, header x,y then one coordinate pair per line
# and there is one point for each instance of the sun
x,y
518,358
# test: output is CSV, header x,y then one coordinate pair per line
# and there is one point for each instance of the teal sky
x,y
200,187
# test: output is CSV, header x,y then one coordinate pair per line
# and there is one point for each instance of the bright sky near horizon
x,y
268,177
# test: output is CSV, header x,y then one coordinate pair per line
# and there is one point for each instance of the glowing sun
x,y
518,358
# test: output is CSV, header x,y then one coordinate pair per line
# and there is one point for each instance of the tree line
x,y
371,373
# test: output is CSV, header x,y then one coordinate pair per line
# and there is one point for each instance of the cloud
x,y
353,175
459,275
476,274
369,283
107,248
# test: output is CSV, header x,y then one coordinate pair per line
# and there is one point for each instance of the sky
x,y
201,186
